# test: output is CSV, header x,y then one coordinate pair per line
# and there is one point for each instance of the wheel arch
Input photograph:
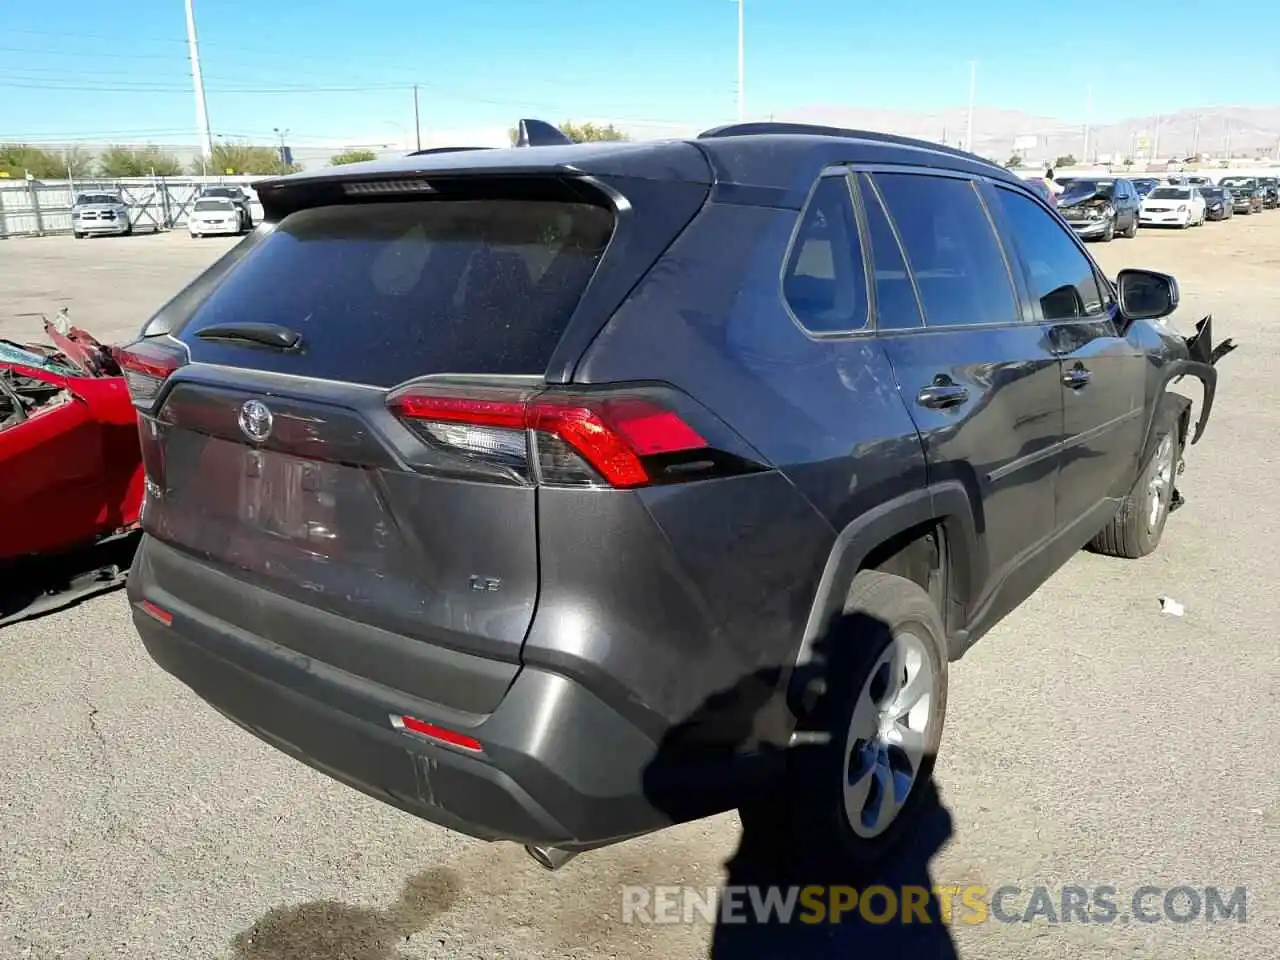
x,y
874,538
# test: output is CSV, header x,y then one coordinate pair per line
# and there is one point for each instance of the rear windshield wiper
x,y
259,334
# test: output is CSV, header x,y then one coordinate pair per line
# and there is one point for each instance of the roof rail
x,y
430,150
819,130
539,133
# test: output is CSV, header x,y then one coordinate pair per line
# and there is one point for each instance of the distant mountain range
x,y
1250,132
1246,131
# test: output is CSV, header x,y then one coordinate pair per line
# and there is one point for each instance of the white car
x,y
1173,206
214,215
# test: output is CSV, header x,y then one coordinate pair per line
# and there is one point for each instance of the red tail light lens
x,y
146,366
613,436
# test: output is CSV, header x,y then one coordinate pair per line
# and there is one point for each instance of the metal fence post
x,y
35,207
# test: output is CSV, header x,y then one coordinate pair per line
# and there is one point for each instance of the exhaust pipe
x,y
550,858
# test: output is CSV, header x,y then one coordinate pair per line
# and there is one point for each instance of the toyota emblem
x,y
256,420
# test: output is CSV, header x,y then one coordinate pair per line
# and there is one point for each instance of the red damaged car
x,y
71,466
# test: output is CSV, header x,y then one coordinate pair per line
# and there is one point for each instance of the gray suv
x,y
561,493
98,213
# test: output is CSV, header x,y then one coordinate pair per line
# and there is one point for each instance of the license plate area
x,y
289,498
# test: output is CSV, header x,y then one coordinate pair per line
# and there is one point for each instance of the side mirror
x,y
1146,295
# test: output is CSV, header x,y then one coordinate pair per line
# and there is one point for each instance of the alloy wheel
x,y
1161,482
887,735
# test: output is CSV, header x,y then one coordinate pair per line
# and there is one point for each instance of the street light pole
x,y
973,87
417,120
1088,123
202,110
742,62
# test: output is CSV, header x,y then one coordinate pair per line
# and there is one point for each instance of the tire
x,y
1132,230
128,231
1138,525
1109,233
888,620
78,235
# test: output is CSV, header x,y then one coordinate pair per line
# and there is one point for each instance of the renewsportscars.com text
x,y
971,904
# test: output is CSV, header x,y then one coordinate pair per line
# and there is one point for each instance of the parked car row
x,y
216,209
1103,207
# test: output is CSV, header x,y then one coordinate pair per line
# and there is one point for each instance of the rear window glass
x,y
214,204
384,292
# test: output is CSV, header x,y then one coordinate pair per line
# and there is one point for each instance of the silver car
x,y
100,213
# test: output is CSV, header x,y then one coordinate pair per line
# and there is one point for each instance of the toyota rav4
x,y
563,492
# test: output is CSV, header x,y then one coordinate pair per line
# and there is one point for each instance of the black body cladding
x,y
808,351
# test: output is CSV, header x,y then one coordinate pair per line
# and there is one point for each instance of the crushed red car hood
x,y
76,349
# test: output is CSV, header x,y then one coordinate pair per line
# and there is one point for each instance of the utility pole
x,y
1155,143
973,89
202,110
1088,123
1227,137
742,62
417,120
1195,138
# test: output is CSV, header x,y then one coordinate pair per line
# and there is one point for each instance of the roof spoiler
x,y
538,133
430,150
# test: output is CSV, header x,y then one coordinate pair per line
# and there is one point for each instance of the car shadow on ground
x,y
43,585
873,919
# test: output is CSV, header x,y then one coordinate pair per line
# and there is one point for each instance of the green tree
x,y
241,158
581,132
1014,162
120,161
19,159
77,163
1066,160
587,132
355,155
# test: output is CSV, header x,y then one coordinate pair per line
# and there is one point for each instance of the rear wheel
x,y
881,714
1138,525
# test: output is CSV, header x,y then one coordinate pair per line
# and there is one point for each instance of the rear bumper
x,y
558,767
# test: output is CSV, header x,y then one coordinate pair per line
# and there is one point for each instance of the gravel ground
x,y
1092,740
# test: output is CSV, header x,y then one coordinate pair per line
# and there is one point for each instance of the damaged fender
x,y
1201,363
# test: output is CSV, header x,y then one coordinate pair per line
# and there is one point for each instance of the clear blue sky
x,y
93,70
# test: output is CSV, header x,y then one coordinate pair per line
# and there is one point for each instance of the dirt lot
x,y
1092,740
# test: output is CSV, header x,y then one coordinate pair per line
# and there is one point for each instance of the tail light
x,y
620,440
146,366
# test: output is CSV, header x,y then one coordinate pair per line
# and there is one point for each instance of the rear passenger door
x,y
981,383
1102,373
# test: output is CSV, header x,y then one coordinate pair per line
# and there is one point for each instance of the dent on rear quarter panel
x,y
714,581
709,318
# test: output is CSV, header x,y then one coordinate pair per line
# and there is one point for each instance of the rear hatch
x,y
336,418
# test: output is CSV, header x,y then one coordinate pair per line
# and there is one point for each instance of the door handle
x,y
942,394
1077,377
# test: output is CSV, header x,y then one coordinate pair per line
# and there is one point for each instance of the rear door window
x,y
896,304
951,245
384,292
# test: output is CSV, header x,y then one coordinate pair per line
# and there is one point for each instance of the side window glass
x,y
896,304
952,248
1062,278
825,281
